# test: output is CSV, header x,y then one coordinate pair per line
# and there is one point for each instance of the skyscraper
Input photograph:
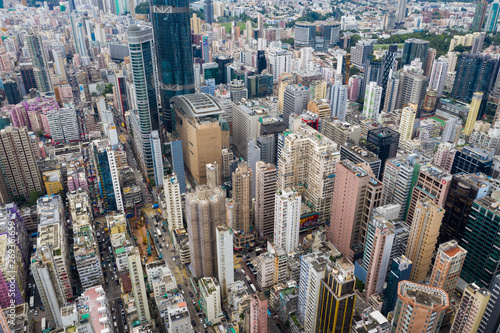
x,y
225,265
388,66
406,124
178,163
492,18
471,309
173,202
265,198
138,285
447,266
287,219
423,237
209,11
373,99
401,12
242,200
414,48
157,157
258,313
338,99
140,43
295,101
475,106
479,15
491,321
419,308
383,142
438,75
39,59
174,53
400,271
336,299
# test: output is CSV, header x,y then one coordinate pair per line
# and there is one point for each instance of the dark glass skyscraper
x,y
388,64
174,54
209,11
414,48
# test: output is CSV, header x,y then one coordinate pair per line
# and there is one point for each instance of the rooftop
x,y
198,105
423,295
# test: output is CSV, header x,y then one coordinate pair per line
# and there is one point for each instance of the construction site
x,y
142,227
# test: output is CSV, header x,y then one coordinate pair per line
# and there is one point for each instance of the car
x,y
114,317
29,285
36,313
191,294
121,305
182,291
107,281
193,322
117,282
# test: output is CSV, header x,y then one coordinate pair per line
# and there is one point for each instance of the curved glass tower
x,y
174,54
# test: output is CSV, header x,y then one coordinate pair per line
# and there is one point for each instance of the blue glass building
x,y
178,164
174,54
400,271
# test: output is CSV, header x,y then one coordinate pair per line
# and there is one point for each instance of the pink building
x,y
353,88
6,62
445,155
18,115
258,313
357,192
66,93
77,180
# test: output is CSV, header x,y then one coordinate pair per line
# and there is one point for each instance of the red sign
x,y
309,221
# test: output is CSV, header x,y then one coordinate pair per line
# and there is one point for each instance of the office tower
x,y
372,101
372,72
39,61
482,232
491,321
138,285
305,34
12,92
63,125
377,252
210,299
389,64
356,194
50,263
178,163
265,198
399,271
471,309
248,31
104,162
209,11
307,157
414,48
312,271
280,61
429,61
213,174
492,18
28,75
260,85
406,124
157,158
438,75
383,142
199,128
391,93
171,189
258,313
242,209
140,42
18,160
336,299
447,266
287,219
412,88
174,54
423,237
205,210
222,62
338,100
474,73
401,13
238,90
295,101
472,160
358,155
225,265
361,51
463,190
419,308
479,15
472,115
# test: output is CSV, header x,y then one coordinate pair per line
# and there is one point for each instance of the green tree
x,y
108,89
33,197
360,285
460,48
142,8
354,71
290,40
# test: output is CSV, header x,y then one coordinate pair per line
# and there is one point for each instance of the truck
x,y
158,232
253,288
32,302
44,324
156,205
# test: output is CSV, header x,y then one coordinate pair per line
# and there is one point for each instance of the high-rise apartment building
x,y
492,18
373,98
258,313
295,101
358,155
419,308
471,309
205,210
174,54
361,51
18,159
213,174
265,198
336,299
307,157
157,157
39,60
413,49
438,75
209,11
357,193
287,219
400,271
247,117
338,99
280,61
491,321
242,204
475,106
479,15
225,265
210,299
482,233
199,128
447,266
64,125
173,201
412,88
398,175
138,285
423,237
406,124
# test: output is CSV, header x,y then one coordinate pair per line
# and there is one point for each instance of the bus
x,y
158,231
32,302
44,325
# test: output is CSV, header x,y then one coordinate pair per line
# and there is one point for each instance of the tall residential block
x,y
210,299
400,271
171,189
265,198
39,60
423,237
138,285
491,320
258,313
447,266
357,193
242,204
419,308
475,106
225,265
198,119
438,75
471,309
492,17
479,15
287,219
406,124
174,53
213,174
18,159
336,299
338,100
373,98
295,101
205,210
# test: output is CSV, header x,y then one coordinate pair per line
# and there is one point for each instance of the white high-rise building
x,y
63,124
373,98
450,129
438,75
115,179
401,11
280,61
338,98
138,285
287,220
173,202
211,299
305,57
225,265
157,158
